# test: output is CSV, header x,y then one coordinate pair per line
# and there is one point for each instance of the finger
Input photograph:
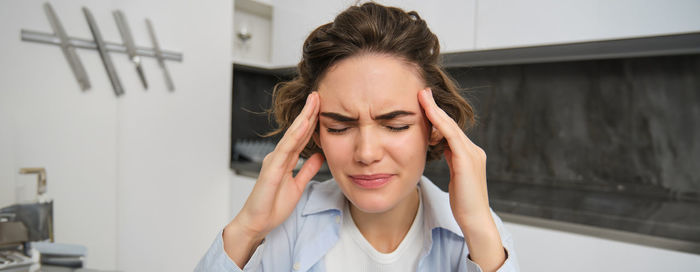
x,y
296,125
309,115
443,122
309,131
284,158
286,150
281,157
308,170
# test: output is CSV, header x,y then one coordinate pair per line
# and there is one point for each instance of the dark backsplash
x,y
628,125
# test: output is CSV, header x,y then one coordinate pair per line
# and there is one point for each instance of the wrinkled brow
x,y
339,117
393,114
387,116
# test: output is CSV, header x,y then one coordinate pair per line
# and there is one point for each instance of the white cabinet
x,y
277,29
513,23
252,32
467,25
292,21
451,20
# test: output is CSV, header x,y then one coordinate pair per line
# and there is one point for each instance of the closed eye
x,y
336,130
396,129
341,130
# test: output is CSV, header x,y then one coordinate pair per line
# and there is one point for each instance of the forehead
x,y
370,83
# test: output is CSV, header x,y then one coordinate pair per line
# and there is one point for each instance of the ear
x,y
435,136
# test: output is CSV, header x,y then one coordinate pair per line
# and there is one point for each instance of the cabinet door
x,y
513,23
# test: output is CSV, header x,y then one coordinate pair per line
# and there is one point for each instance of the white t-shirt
x,y
353,252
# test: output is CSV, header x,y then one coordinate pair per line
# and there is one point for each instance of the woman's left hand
x,y
467,189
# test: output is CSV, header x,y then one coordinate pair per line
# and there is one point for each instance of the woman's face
x,y
372,129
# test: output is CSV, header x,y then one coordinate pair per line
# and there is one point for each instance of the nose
x,y
368,148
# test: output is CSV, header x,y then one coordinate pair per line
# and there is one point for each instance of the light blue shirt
x,y
301,242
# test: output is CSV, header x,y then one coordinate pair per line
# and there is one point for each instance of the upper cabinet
x,y
465,25
269,34
514,23
252,33
290,22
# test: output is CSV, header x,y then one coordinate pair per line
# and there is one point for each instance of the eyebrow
x,y
339,117
387,116
393,114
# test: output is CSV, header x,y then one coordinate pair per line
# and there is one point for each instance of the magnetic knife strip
x,y
69,44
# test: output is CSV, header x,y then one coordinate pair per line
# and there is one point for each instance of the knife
x,y
128,39
102,49
68,49
159,56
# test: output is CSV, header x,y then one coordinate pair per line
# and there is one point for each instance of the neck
x,y
385,230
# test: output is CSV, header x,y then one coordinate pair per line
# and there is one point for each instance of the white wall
x,y
46,121
549,250
241,186
141,180
174,147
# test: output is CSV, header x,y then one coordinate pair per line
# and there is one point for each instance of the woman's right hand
x,y
276,191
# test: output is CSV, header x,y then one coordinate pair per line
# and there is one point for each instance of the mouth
x,y
371,181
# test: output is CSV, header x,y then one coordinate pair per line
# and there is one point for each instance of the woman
x,y
371,99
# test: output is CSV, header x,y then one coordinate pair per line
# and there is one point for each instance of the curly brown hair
x,y
370,28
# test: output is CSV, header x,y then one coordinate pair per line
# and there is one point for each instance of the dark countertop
x,y
655,217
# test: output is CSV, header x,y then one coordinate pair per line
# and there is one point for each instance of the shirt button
x,y
296,266
337,219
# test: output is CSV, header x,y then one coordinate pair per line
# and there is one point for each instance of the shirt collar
x,y
327,196
437,210
324,196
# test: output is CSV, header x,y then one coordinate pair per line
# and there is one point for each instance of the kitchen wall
x,y
46,121
141,180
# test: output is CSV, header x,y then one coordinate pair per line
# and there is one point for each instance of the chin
x,y
371,206
371,201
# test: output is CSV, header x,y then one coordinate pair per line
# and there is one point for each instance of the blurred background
x,y
589,112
